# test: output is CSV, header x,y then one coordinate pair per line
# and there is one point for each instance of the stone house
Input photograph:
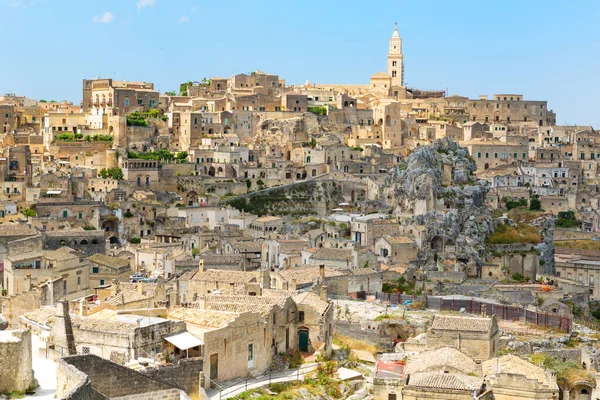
x,y
511,377
265,227
206,281
108,334
235,344
334,258
87,242
363,281
396,249
476,337
105,269
311,277
279,253
24,271
231,262
442,386
315,321
489,153
366,230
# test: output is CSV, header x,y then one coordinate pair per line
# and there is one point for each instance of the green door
x,y
303,340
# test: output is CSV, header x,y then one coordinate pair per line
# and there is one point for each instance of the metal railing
x,y
264,379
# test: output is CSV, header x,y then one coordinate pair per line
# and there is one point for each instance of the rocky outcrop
x,y
274,132
546,248
436,188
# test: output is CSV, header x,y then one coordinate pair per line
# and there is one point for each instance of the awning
x,y
54,192
184,340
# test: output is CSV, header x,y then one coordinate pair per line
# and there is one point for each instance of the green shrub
x,y
135,240
319,110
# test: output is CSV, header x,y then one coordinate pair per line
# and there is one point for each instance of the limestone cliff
x,y
436,189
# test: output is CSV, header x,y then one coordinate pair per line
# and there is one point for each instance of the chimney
x,y
322,272
114,287
140,289
201,266
324,293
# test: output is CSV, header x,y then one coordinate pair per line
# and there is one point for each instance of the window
x,y
487,155
126,102
95,270
101,281
80,215
301,316
140,102
495,155
78,281
479,155
85,350
524,155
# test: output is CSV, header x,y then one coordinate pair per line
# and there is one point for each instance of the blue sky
x,y
546,50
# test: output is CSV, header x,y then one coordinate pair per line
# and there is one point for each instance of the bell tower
x,y
395,59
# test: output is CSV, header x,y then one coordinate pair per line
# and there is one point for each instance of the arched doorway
x,y
486,166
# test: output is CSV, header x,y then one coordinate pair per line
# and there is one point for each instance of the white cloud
x,y
145,3
184,19
105,18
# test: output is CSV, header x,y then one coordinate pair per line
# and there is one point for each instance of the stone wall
x,y
12,307
184,375
447,276
71,383
15,361
111,380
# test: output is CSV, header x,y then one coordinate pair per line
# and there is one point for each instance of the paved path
x,y
263,380
263,191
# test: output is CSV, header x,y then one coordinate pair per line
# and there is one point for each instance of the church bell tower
x,y
395,59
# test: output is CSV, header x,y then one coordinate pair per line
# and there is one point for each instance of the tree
x,y
171,93
182,155
535,205
260,183
248,184
116,173
28,212
103,173
43,101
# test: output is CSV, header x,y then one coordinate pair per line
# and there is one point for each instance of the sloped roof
x,y
305,275
446,356
511,364
312,300
333,254
459,323
108,261
434,380
216,275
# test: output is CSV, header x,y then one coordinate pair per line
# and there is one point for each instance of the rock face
x,y
546,248
436,189
274,132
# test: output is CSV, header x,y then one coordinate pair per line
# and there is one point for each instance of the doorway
x,y
303,339
250,355
214,366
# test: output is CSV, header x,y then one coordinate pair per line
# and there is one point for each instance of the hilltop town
x,y
246,238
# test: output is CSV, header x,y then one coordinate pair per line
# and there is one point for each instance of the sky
x,y
545,50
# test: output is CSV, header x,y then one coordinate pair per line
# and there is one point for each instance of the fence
x,y
503,312
266,379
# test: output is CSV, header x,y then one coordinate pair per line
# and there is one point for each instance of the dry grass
x,y
506,234
354,344
521,215
586,244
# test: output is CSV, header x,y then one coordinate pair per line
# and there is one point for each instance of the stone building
x,y
118,97
476,337
236,344
105,269
396,249
87,242
511,377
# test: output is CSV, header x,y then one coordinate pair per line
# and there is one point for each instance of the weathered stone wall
x,y
184,375
14,306
15,361
71,383
112,380
447,276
